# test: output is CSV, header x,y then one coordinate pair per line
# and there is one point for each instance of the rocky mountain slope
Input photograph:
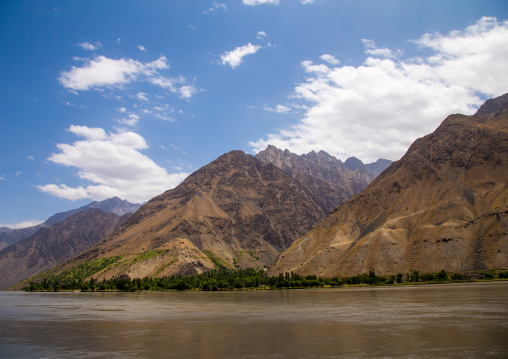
x,y
330,181
234,212
9,236
54,245
444,205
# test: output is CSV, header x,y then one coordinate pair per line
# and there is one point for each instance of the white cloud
x,y
104,72
261,35
122,110
260,2
373,50
378,109
23,224
141,47
2,178
131,120
330,59
177,85
142,96
216,7
30,158
234,58
278,109
306,1
114,166
88,46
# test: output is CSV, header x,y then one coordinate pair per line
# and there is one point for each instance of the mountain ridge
x,y
444,205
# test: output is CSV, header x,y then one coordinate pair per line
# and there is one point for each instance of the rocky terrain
x,y
234,212
330,181
51,246
444,205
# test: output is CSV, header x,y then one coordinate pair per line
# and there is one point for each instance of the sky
x,y
127,98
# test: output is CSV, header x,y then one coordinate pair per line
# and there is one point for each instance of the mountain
x,y
330,181
9,236
234,212
114,205
51,246
444,205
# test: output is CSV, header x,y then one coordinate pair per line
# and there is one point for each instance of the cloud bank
x,y
378,109
113,164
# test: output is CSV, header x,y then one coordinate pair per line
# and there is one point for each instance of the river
x,y
426,321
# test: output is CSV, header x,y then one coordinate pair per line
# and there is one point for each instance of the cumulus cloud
x,y
141,47
378,109
259,2
102,72
113,165
373,50
235,57
88,46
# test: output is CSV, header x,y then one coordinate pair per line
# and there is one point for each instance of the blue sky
x,y
126,98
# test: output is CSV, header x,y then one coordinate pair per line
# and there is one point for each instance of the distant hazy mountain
x,y
9,236
54,245
235,212
330,181
114,205
444,205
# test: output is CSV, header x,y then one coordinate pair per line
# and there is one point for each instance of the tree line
x,y
228,279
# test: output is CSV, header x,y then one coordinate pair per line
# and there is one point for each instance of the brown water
x,y
438,321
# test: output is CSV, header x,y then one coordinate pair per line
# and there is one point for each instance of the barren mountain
x,y
444,205
9,236
330,181
54,245
234,212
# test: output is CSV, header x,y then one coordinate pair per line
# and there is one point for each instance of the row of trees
x,y
225,279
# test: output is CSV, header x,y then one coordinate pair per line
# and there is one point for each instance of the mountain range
x,y
54,245
60,238
330,181
9,236
444,205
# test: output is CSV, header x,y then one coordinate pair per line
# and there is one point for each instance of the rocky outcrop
x,y
330,181
444,205
54,245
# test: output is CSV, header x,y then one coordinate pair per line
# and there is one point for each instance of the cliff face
x,y
54,245
330,181
444,205
233,212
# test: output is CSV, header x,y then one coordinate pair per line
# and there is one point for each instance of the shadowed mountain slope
x,y
444,205
54,245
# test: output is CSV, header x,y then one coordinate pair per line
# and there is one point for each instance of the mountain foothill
x,y
443,205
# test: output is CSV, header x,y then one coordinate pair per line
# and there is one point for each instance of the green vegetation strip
x,y
227,279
